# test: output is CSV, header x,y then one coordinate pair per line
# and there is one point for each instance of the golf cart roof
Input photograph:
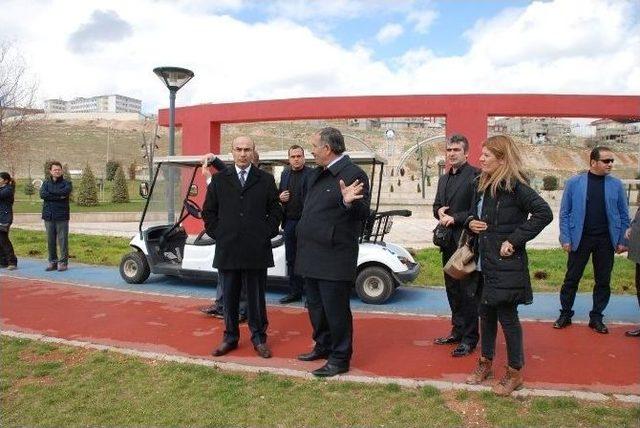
x,y
276,157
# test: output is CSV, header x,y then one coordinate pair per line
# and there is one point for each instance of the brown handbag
x,y
462,262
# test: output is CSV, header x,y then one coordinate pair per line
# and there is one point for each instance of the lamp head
x,y
174,78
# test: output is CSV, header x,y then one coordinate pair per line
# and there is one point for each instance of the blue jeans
x,y
58,235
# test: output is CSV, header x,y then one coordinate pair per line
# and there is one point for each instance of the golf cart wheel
x,y
374,285
134,268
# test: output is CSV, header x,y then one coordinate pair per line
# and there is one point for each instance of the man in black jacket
x,y
336,205
293,188
55,193
242,213
451,207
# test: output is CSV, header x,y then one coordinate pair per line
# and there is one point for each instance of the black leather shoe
x,y
562,322
448,340
290,298
329,370
462,350
632,333
598,326
313,355
209,310
224,348
263,350
52,266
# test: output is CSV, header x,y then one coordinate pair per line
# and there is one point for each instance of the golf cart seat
x,y
204,239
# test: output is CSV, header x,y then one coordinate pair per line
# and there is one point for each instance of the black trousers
x,y
255,281
295,281
463,304
7,254
330,314
507,315
602,252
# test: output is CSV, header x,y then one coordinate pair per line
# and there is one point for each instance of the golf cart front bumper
x,y
406,276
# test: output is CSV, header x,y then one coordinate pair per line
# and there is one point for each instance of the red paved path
x,y
385,345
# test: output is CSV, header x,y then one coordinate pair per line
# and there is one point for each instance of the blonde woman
x,y
506,214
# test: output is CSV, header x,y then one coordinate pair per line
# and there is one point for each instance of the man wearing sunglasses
x,y
594,216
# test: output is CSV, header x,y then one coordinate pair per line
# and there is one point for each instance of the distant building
x,y
537,129
101,103
611,130
398,123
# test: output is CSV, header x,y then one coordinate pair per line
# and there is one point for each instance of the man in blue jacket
x,y
293,188
55,193
594,216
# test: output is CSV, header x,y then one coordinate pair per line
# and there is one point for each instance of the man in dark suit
x,y
293,187
242,212
336,205
451,207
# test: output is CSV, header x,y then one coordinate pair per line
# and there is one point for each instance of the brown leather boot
x,y
481,372
511,381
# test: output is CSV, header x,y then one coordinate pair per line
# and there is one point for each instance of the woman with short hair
x,y
506,214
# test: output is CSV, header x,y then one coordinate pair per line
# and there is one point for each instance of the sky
x,y
243,50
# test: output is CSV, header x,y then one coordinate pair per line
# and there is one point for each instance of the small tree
x,y
419,189
391,189
550,182
398,182
47,169
67,176
88,190
120,193
110,170
132,170
29,188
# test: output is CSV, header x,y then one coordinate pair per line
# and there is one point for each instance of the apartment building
x,y
102,103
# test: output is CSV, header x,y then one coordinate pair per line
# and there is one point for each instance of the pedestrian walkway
x,y
90,305
406,300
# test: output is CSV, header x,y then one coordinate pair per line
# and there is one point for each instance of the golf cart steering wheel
x,y
192,208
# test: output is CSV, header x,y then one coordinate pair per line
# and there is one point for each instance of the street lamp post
x,y
174,78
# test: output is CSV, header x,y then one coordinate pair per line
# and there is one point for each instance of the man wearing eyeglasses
x,y
594,216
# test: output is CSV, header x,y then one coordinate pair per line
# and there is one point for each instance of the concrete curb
x,y
404,382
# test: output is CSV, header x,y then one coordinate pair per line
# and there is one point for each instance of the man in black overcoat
x,y
451,207
293,189
335,208
242,213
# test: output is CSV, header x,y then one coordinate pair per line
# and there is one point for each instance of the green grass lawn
x,y
547,269
109,250
54,385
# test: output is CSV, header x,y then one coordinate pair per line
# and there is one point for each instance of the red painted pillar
x,y
200,137
472,123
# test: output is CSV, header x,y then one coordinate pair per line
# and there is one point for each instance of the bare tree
x,y
17,97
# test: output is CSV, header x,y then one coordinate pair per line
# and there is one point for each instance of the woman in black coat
x,y
7,190
508,213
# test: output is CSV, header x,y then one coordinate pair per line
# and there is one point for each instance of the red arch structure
x,y
465,114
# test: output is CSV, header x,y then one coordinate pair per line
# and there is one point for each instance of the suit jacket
x,y
302,189
242,219
328,232
573,210
459,198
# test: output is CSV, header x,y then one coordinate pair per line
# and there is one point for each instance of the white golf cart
x,y
163,245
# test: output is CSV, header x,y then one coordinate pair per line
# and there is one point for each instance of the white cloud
x,y
389,32
422,19
583,46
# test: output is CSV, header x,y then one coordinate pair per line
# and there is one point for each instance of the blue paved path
x,y
409,300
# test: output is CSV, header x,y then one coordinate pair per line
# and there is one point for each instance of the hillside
x,y
94,141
